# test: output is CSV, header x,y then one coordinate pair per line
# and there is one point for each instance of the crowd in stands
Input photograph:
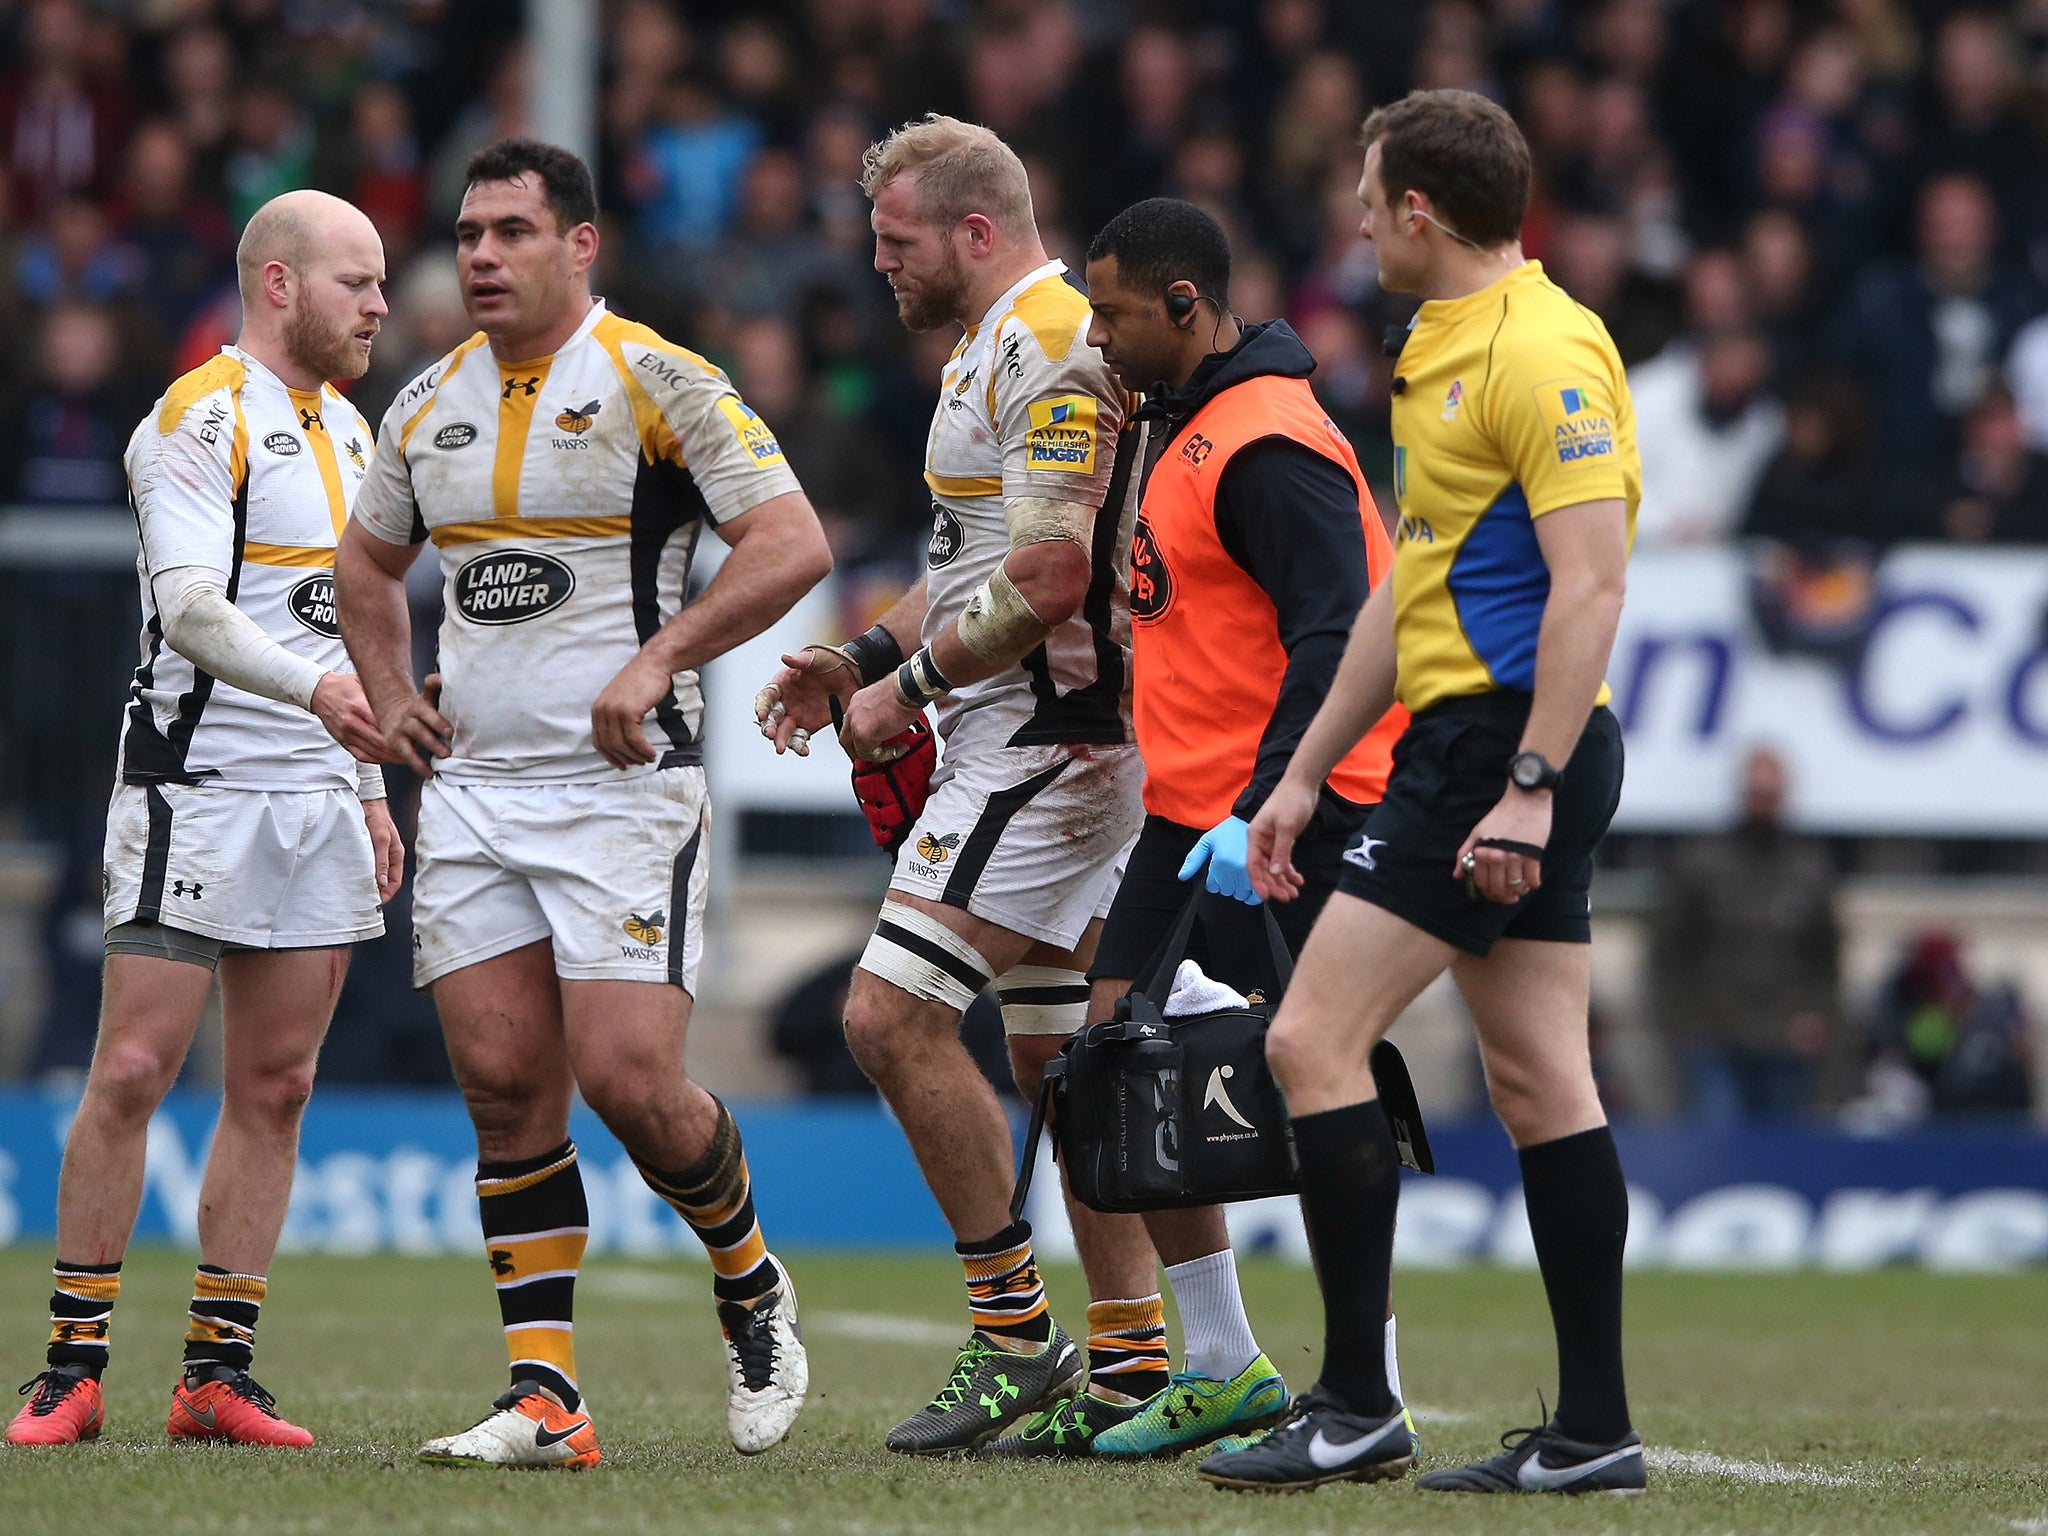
x,y
1817,230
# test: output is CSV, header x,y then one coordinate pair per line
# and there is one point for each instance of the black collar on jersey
x,y
1268,348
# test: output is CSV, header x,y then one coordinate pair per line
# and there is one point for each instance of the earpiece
x,y
1180,308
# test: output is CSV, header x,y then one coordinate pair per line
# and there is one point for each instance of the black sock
x,y
1350,1190
1578,1215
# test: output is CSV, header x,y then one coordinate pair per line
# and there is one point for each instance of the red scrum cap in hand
x,y
892,793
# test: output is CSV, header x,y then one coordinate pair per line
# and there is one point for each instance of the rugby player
x,y
1020,633
1257,542
566,462
1515,467
244,840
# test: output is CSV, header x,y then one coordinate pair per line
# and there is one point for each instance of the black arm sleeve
x,y
1290,517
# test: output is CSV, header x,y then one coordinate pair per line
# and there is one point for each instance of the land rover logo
x,y
282,443
511,586
947,537
1151,581
312,604
459,434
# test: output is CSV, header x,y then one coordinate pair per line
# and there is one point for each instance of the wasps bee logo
x,y
966,379
355,454
577,418
644,930
935,850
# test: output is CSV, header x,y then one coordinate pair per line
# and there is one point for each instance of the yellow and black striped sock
x,y
536,1223
715,1195
222,1328
81,1312
1127,1358
1005,1297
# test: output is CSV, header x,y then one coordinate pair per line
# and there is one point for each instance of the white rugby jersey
x,y
1028,408
566,496
237,472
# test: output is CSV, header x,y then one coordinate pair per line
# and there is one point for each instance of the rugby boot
x,y
1541,1460
1317,1443
989,1390
1067,1430
765,1360
227,1404
64,1407
526,1428
1194,1410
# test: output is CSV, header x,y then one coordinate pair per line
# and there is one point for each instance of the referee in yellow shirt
x,y
1515,470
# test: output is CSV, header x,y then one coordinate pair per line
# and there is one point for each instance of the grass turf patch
x,y
1894,1401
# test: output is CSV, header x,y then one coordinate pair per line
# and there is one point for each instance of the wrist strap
x,y
874,654
919,681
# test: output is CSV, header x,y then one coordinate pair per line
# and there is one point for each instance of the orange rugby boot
x,y
64,1407
227,1404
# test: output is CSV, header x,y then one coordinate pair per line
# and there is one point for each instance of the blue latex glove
x,y
1223,849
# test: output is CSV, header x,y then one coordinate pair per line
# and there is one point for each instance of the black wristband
x,y
919,680
874,654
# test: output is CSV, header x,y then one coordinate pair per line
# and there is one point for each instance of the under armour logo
x,y
310,420
501,1261
993,1401
531,386
182,888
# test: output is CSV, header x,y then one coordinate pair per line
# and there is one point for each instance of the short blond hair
x,y
961,168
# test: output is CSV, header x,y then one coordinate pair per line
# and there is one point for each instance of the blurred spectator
x,y
1976,126
773,254
64,437
183,242
272,149
1783,291
1942,1044
686,175
1927,333
64,129
376,165
1591,257
500,113
199,79
1705,417
1745,959
1820,488
76,258
1999,492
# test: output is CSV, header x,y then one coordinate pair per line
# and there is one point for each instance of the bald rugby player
x,y
248,836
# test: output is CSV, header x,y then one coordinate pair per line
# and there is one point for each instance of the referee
x,y
1515,469
1257,541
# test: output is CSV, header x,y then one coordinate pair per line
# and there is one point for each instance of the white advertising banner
x,y
1938,726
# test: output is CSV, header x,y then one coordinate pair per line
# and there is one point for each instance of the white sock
x,y
1219,1341
1393,1365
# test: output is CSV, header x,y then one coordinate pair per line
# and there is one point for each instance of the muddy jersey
x,y
234,471
566,496
1028,408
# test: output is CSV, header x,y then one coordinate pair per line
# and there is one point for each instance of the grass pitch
x,y
1789,1403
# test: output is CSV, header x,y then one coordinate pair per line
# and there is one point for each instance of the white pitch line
x,y
886,1327
2031,1527
1707,1464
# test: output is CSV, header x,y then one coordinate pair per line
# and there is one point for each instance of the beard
x,y
321,348
937,301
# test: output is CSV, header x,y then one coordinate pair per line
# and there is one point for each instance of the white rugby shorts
x,y
266,868
1032,839
614,873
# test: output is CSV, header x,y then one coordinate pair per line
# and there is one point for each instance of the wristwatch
x,y
1532,770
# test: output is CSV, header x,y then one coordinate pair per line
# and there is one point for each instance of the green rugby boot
x,y
1068,1430
1195,1410
990,1389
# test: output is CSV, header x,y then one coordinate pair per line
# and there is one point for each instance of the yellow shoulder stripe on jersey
x,y
220,372
447,372
1055,312
311,406
964,485
657,439
498,528
299,555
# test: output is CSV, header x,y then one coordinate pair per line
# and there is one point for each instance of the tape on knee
x,y
1042,1000
925,958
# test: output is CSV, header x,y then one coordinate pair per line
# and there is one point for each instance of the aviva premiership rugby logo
x,y
1062,435
936,850
754,434
1581,433
644,930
